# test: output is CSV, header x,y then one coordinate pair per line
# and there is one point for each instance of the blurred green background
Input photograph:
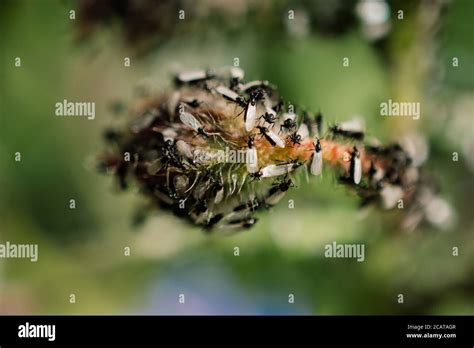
x,y
81,251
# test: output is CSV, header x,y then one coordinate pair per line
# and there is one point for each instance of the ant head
x,y
288,123
355,151
250,141
317,146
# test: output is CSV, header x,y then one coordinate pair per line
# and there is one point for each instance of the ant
x,y
256,176
256,95
251,141
283,185
201,131
170,155
269,118
295,138
289,124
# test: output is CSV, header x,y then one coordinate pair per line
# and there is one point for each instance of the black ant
x,y
256,176
170,155
201,131
295,138
256,95
240,101
288,124
269,118
277,191
283,185
251,141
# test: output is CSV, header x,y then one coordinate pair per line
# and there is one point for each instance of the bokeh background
x,y
81,251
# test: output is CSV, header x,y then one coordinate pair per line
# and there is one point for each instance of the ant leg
x,y
194,183
168,178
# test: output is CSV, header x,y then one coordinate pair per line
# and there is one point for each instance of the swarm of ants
x,y
169,149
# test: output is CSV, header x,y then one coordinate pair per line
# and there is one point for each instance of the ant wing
x,y
189,120
227,93
181,183
169,134
278,141
192,75
354,125
275,170
237,73
390,195
357,175
184,148
219,196
252,84
142,122
154,167
252,160
268,107
173,102
250,116
275,197
317,163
